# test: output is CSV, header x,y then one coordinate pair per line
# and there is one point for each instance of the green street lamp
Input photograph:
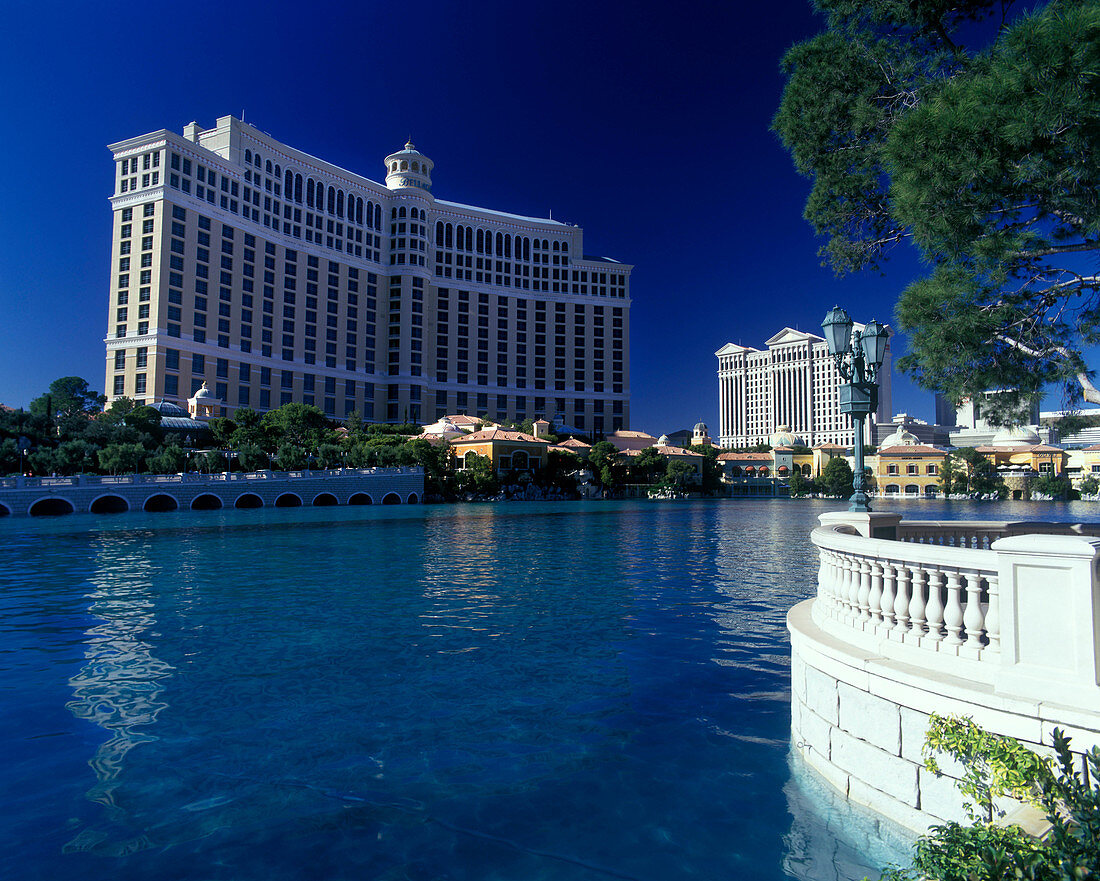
x,y
858,357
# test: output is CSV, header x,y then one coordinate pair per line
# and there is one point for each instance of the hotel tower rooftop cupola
x,y
409,168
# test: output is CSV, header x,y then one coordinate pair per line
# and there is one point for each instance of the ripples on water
x,y
473,692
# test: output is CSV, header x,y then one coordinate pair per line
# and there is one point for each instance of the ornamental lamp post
x,y
858,357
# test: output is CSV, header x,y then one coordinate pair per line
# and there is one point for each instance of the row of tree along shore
x,y
67,431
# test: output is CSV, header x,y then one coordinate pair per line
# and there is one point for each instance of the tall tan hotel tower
x,y
273,276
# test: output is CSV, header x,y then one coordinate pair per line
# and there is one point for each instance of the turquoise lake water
x,y
553,692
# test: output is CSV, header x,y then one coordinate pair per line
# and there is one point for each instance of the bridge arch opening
x,y
248,500
206,502
325,500
109,504
5,511
161,503
288,500
51,508
360,499
412,499
391,499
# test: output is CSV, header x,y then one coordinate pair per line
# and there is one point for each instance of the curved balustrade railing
x,y
935,597
982,533
1012,605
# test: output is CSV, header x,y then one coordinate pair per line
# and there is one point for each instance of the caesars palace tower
x,y
274,277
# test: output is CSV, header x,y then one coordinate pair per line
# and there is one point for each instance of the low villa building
x,y
631,440
906,466
671,453
507,450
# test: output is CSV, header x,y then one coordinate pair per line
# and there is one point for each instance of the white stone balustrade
x,y
939,591
999,621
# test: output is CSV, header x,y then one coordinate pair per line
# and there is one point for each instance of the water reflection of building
x,y
120,686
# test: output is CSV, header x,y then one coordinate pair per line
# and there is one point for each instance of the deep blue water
x,y
493,692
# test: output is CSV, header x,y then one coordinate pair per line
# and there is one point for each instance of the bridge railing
x,y
1015,605
191,477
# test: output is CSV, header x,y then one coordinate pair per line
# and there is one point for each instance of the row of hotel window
x,y
329,233
190,176
893,468
202,272
200,317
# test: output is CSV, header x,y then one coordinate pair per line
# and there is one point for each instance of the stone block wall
x,y
860,722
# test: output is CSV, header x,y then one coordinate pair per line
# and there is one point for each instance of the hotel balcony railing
x,y
1011,605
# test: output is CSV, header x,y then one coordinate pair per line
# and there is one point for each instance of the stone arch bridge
x,y
88,494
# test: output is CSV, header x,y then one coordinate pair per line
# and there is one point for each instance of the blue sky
x,y
646,123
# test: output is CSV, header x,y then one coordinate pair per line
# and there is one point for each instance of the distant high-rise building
x,y
274,276
792,384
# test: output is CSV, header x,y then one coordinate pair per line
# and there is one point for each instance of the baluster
x,y
933,610
851,589
916,604
973,619
952,612
828,584
863,595
993,612
888,595
901,601
874,599
837,584
823,574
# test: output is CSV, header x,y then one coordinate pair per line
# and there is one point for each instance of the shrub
x,y
997,766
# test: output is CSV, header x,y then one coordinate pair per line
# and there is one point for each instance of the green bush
x,y
986,852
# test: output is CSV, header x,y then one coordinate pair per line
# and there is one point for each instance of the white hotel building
x,y
273,276
793,383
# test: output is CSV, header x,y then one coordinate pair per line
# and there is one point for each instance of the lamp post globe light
x,y
858,356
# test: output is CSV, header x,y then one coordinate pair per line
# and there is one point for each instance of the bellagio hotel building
x,y
273,277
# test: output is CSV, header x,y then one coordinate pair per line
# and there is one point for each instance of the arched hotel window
x,y
268,168
332,200
526,249
309,193
359,211
401,211
288,185
298,188
565,247
481,241
339,203
247,157
439,233
394,167
416,166
450,236
557,246
404,164
278,172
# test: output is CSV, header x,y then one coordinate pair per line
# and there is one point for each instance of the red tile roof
x,y
499,434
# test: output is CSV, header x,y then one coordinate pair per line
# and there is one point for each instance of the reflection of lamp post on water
x,y
858,357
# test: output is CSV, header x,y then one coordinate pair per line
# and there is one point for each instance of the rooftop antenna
x,y
242,114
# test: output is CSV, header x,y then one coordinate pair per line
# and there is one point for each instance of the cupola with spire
x,y
409,168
